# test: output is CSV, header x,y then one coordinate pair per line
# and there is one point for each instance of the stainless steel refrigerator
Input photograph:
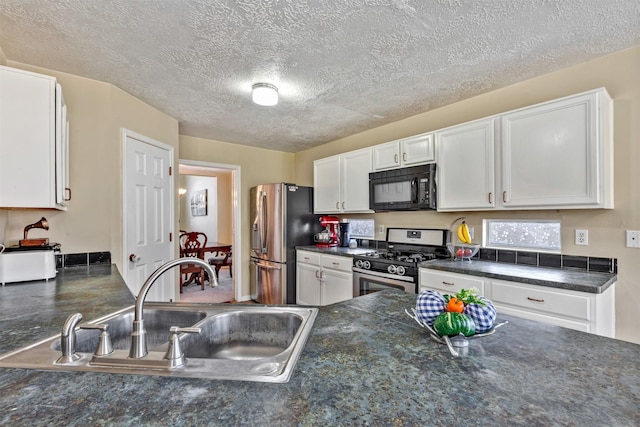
x,y
281,219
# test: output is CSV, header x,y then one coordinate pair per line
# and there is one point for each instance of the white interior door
x,y
147,214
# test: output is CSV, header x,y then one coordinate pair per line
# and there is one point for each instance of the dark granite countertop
x,y
366,363
336,250
575,280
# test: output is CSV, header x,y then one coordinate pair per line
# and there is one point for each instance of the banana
x,y
463,233
460,233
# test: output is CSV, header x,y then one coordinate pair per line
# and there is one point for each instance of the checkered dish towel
x,y
430,305
483,315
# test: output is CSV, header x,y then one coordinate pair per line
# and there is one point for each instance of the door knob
x,y
134,258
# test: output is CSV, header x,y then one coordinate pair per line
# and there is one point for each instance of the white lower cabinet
x,y
323,279
582,311
587,312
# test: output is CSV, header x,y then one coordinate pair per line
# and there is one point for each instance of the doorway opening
x,y
209,203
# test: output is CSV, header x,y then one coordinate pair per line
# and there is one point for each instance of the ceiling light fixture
x,y
265,94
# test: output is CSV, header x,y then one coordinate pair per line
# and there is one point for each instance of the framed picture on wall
x,y
199,203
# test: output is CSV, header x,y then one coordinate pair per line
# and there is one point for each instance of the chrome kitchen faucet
x,y
138,336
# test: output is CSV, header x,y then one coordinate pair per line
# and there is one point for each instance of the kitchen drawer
x,y
448,283
337,262
308,257
556,302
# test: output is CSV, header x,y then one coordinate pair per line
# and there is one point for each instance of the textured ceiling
x,y
342,66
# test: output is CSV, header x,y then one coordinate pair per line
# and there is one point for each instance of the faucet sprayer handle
x,y
104,341
179,329
174,353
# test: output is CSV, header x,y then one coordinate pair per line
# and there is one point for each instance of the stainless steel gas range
x,y
397,265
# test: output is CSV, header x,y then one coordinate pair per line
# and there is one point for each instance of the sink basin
x,y
243,335
236,342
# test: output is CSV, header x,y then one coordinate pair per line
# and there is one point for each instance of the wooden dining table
x,y
214,247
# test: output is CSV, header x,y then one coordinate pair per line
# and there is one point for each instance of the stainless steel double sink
x,y
236,342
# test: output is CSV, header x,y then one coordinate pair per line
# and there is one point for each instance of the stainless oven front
x,y
366,282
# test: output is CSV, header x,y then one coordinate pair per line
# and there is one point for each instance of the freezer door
x,y
268,282
267,234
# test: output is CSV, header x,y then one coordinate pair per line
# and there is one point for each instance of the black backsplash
x,y
540,259
82,259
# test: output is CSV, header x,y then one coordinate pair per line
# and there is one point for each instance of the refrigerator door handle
x,y
258,228
265,221
256,233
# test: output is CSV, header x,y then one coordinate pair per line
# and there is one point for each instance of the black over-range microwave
x,y
404,189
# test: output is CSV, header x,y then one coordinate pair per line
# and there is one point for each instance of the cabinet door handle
x,y
306,258
337,205
535,299
336,264
490,197
395,158
504,197
448,283
342,205
67,190
404,157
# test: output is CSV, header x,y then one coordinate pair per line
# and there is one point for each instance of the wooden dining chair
x,y
222,259
191,245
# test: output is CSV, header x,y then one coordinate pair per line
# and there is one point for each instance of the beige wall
x,y
619,73
97,112
257,166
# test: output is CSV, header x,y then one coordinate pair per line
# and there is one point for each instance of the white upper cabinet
x,y
33,141
466,166
559,154
341,183
410,151
326,185
554,155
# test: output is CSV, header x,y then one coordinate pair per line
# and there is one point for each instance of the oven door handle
x,y
383,275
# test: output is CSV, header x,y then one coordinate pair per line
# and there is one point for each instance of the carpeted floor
x,y
223,293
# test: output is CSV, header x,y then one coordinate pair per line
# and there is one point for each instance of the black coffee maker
x,y
345,234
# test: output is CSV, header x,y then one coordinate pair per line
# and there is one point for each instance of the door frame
x,y
236,216
126,133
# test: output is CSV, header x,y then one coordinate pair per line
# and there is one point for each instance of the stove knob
x,y
366,265
359,263
391,269
400,270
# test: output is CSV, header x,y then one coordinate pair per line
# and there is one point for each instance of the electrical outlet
x,y
471,232
381,229
582,237
633,239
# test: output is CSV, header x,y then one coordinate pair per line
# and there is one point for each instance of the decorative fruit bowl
x,y
452,319
463,251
